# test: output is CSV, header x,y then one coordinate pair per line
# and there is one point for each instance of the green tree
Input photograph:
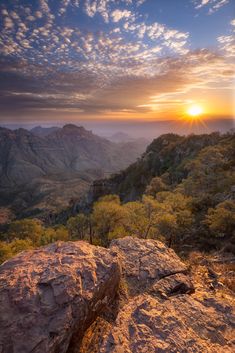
x,y
26,228
221,219
61,233
5,251
140,217
78,226
209,173
18,245
106,216
156,185
8,250
167,227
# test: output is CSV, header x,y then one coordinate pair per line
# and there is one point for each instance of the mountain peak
x,y
75,130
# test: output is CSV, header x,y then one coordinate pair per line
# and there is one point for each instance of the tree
x,y
167,226
8,250
61,233
5,251
106,216
78,226
51,235
26,228
176,216
140,217
208,173
221,219
156,185
18,245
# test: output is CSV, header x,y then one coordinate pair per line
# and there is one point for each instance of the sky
x,y
115,60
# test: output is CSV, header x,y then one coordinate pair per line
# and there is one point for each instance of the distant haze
x,y
136,129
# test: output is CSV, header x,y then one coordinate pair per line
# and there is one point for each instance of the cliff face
x,y
137,296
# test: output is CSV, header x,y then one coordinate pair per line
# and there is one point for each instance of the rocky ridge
x,y
137,296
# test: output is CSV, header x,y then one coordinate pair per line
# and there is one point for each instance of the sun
x,y
195,111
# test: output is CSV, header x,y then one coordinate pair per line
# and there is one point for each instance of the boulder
x,y
64,298
50,296
147,324
146,261
164,313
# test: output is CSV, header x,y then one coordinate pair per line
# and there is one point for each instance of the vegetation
x,y
183,194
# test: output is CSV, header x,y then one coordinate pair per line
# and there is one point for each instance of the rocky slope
x,y
65,298
48,170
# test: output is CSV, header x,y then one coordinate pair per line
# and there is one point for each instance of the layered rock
x,y
50,296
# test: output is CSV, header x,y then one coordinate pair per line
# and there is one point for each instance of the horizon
x,y
103,62
141,129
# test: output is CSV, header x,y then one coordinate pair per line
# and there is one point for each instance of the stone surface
x,y
172,285
145,261
62,299
50,296
181,324
164,313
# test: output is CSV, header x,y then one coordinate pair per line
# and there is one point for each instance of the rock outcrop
x,y
50,296
163,311
145,262
65,298
181,324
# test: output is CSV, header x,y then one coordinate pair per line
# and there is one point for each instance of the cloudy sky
x,y
69,60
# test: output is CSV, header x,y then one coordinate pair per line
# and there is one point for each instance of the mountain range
x,y
43,169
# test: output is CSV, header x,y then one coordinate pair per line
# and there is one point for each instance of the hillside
x,y
166,156
46,170
183,179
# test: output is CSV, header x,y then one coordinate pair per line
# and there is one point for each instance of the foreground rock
x,y
50,296
164,312
145,262
61,299
181,324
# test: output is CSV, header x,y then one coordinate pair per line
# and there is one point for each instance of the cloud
x,y
212,5
44,6
64,5
140,2
8,23
35,88
48,62
232,22
227,44
118,15
93,7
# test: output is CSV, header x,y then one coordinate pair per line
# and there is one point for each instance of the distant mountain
x,y
43,131
120,137
123,138
46,169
